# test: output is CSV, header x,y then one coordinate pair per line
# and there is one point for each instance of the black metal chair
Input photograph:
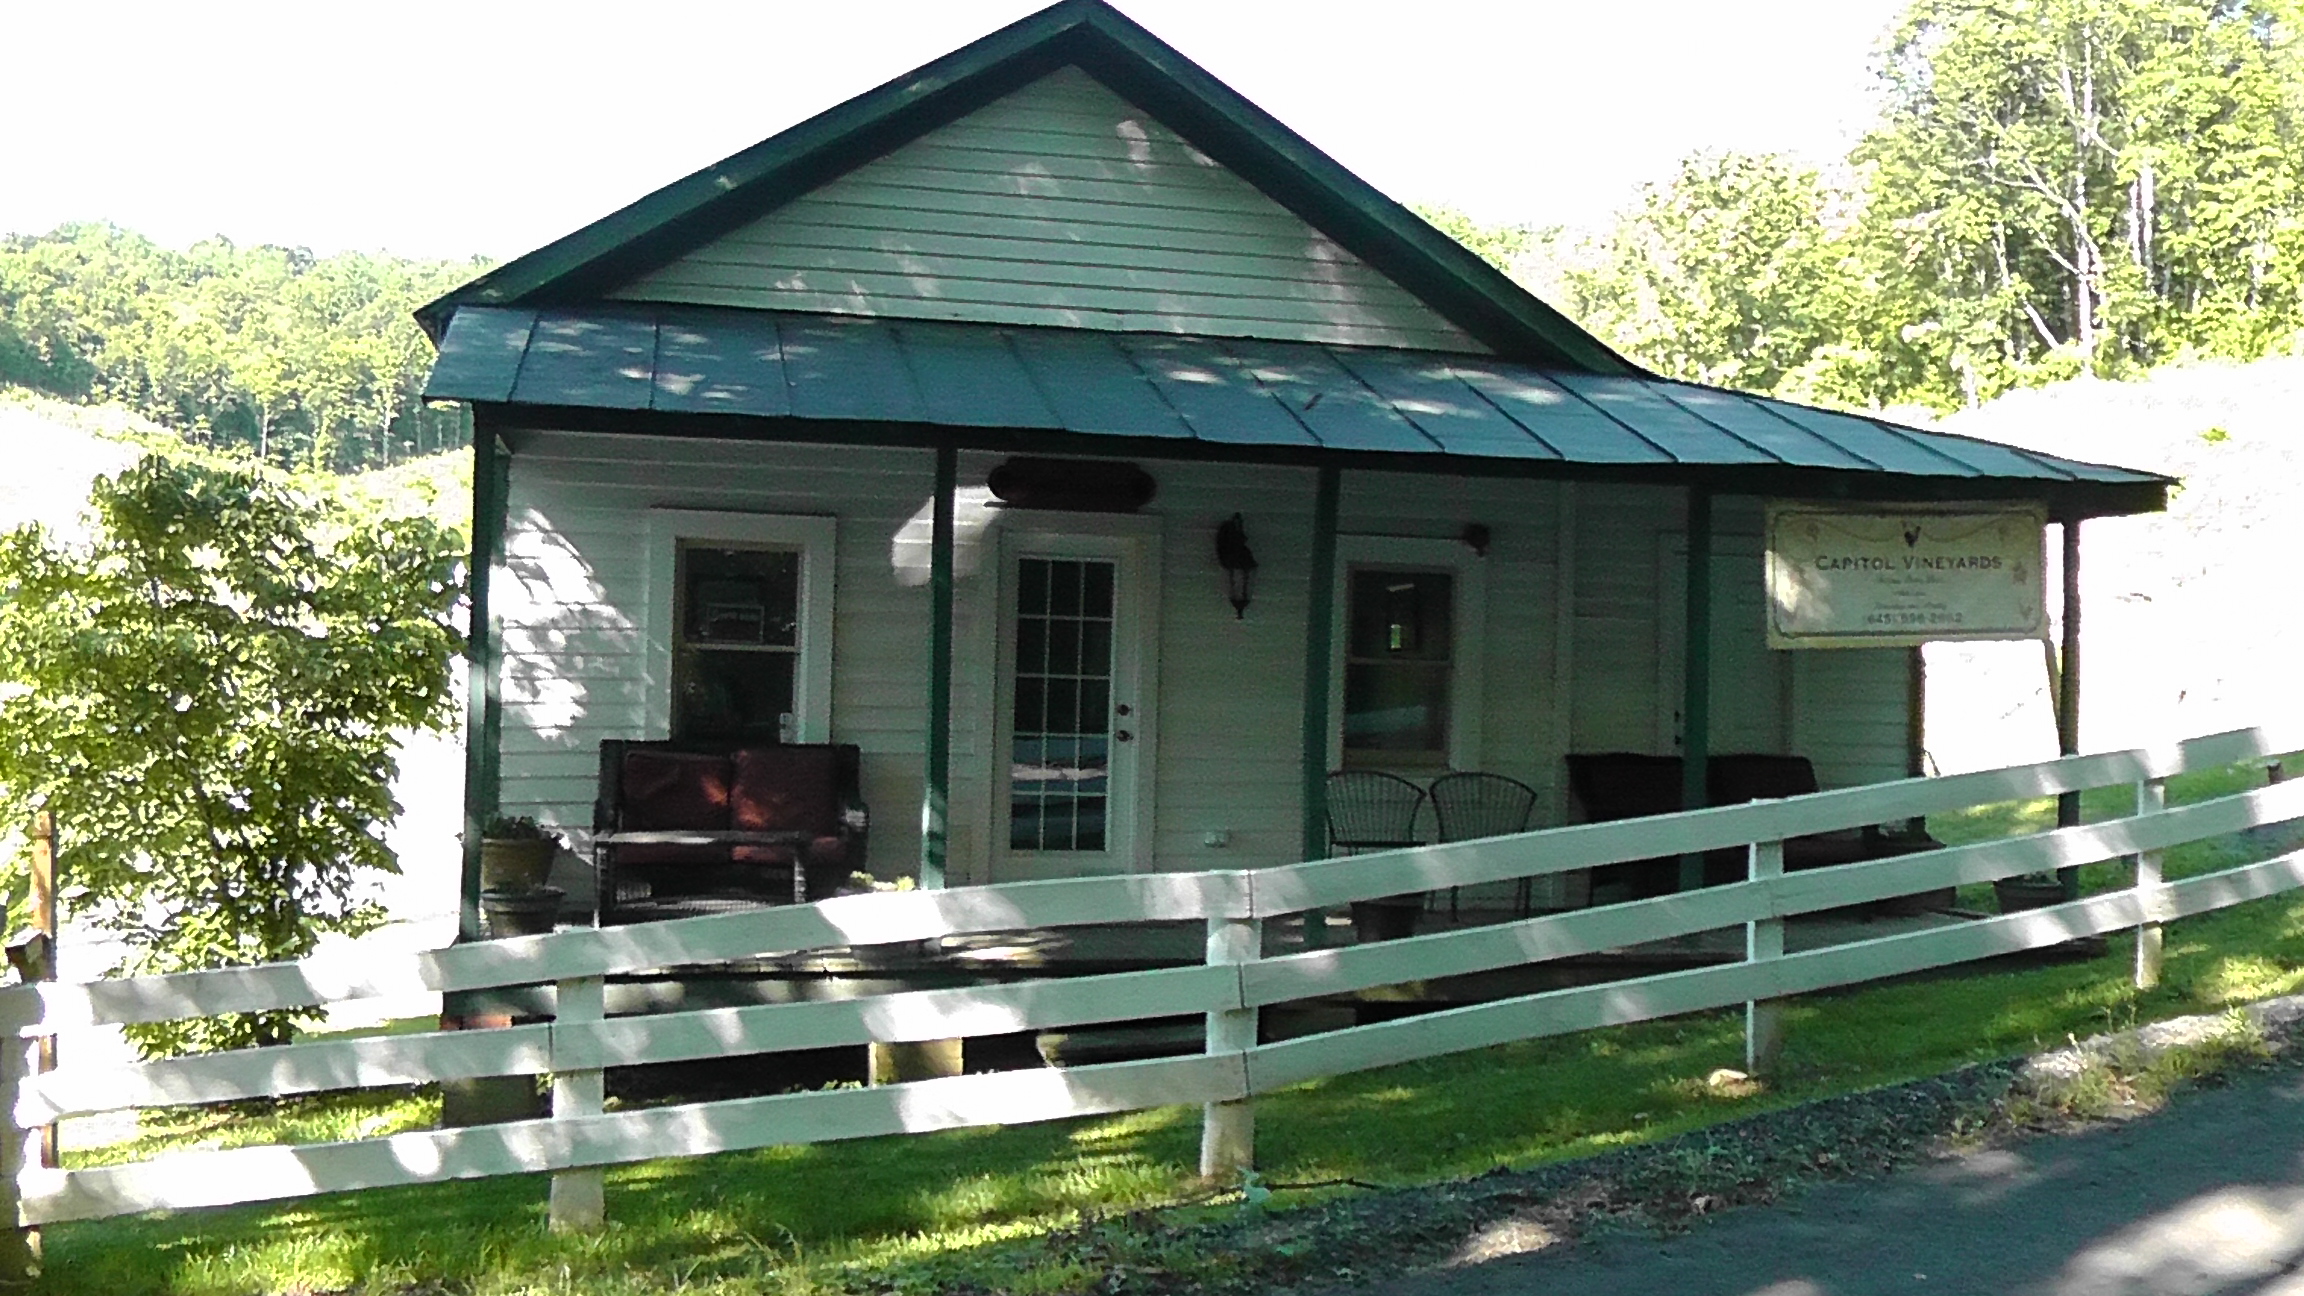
x,y
1372,810
1471,806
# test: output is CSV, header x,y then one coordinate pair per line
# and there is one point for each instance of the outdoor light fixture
x,y
1232,554
1476,538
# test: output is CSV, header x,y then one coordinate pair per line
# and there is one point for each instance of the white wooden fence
x,y
1233,982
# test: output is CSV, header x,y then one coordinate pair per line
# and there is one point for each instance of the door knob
x,y
1122,735
1123,709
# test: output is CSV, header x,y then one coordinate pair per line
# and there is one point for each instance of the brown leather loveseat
x,y
686,828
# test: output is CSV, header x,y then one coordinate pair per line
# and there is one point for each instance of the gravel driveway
x,y
2204,1196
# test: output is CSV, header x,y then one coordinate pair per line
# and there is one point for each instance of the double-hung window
x,y
740,625
1410,612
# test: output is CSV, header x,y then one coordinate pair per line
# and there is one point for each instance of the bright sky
x,y
448,127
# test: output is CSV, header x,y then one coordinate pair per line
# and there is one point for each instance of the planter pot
x,y
532,912
2018,894
1390,918
515,865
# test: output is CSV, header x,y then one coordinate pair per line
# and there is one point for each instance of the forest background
x,y
2050,188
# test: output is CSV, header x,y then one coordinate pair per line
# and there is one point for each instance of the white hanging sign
x,y
1843,577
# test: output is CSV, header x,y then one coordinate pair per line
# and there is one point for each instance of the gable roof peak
x,y
1112,48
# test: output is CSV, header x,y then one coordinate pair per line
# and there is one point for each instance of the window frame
x,y
1467,645
815,539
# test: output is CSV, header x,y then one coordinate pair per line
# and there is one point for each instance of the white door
x,y
1072,794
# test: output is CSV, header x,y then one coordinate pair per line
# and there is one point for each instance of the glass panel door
x,y
1061,706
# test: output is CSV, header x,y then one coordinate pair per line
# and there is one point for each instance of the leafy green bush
x,y
206,693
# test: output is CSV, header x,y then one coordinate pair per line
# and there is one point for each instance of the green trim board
x,y
483,655
936,780
702,371
1100,41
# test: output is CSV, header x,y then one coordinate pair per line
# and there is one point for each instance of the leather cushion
x,y
667,790
1750,776
1624,785
780,788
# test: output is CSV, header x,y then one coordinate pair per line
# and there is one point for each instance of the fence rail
x,y
1228,988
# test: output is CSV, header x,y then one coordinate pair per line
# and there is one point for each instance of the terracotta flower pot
x,y
515,864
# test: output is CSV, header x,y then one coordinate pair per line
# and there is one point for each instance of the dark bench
x,y
1630,785
687,828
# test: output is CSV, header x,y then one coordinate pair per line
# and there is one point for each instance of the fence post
x,y
44,921
1763,939
1228,1129
579,1200
19,1151
2151,797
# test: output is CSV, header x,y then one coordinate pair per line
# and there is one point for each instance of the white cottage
x,y
948,423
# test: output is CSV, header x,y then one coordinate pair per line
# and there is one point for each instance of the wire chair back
x,y
1471,806
1371,810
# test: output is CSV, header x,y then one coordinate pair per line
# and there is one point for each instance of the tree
x,y
1727,274
206,692
2070,185
305,360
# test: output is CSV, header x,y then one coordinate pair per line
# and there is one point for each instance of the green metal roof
x,y
643,369
1136,65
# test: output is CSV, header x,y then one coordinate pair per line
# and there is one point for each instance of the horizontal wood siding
x,y
1227,726
1849,713
1061,204
1844,709
571,598
1617,626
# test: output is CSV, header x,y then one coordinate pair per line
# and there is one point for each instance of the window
x,y
738,646
1059,778
739,626
1399,664
1410,618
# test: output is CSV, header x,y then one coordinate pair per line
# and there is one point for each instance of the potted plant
x,y
515,857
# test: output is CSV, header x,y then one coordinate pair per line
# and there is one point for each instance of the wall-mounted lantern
x,y
1239,564
1476,537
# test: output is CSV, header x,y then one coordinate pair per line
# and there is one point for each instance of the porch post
x,y
935,827
1320,610
2068,692
483,694
1696,673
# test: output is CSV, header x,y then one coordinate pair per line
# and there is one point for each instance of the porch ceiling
x,y
1089,386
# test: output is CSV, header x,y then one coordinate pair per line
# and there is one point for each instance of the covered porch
x,y
1551,561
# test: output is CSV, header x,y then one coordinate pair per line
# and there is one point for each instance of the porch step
x,y
1128,1043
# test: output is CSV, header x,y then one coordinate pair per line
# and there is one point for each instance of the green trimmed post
x,y
483,692
936,789
1319,651
2068,693
1696,674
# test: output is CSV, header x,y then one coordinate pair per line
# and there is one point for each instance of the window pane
x,y
1396,706
1060,764
740,596
731,694
1064,589
1400,615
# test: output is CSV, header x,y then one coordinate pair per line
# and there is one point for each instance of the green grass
x,y
890,1214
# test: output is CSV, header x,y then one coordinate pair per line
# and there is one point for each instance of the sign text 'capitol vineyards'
x,y
1844,578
